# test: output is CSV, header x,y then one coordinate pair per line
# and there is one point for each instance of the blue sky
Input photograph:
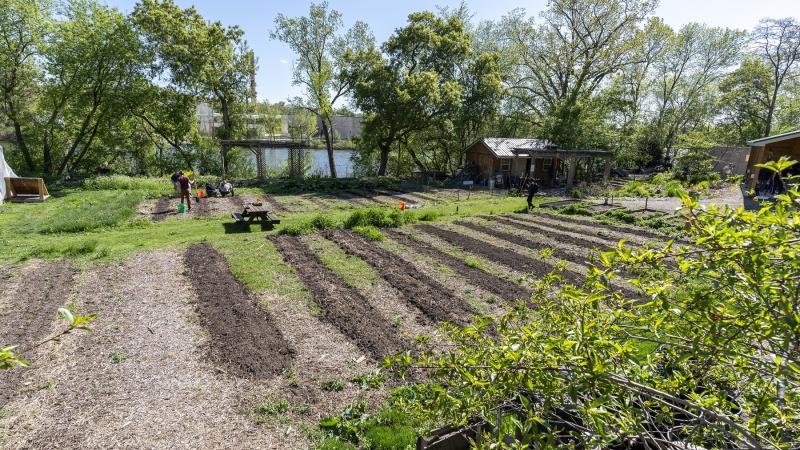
x,y
256,18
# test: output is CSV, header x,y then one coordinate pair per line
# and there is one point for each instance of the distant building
x,y
510,160
345,128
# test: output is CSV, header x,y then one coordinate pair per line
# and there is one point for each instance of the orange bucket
x,y
402,205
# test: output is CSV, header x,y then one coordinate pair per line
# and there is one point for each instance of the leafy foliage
x,y
706,356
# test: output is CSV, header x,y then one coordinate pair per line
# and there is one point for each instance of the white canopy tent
x,y
5,171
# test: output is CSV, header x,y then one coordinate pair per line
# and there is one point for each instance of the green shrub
x,y
380,218
429,216
153,186
297,228
322,222
620,216
575,210
673,188
369,232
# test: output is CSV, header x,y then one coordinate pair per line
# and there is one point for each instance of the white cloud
x,y
283,61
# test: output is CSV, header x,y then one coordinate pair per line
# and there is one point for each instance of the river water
x,y
276,158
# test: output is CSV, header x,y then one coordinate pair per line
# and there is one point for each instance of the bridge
x,y
296,153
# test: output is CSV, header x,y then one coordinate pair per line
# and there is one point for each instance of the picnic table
x,y
256,213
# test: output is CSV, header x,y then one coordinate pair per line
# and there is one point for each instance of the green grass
x,y
370,232
353,270
105,228
334,385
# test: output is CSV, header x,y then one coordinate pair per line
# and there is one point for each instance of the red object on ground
x,y
401,204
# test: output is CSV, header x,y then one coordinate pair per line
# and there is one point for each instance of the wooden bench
x,y
256,214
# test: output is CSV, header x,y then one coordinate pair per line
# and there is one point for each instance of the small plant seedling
x,y
397,322
118,357
546,252
269,409
334,385
370,380
473,262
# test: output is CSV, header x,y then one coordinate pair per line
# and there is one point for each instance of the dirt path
x,y
341,305
585,237
141,379
28,315
365,196
245,341
420,290
350,198
500,287
421,196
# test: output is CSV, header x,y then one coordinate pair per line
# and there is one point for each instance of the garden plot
x,y
244,338
28,312
341,305
420,290
505,256
481,300
164,208
356,200
140,379
503,288
550,235
600,225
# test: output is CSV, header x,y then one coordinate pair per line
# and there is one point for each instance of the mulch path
x,y
503,288
244,338
341,305
43,288
420,290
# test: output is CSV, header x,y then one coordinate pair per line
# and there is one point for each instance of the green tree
x,y
24,27
323,65
778,45
745,101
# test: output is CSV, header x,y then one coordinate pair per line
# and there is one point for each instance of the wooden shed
x,y
510,160
771,149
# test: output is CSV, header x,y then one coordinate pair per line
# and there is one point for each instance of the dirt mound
x,y
342,305
419,289
164,208
503,288
244,338
42,289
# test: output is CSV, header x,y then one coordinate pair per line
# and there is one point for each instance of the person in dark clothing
x,y
174,179
185,185
533,188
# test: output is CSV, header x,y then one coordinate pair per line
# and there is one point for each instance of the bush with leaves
x,y
708,355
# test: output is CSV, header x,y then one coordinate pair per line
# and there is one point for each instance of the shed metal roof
x,y
775,138
504,147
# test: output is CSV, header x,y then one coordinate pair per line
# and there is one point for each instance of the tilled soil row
x,y
41,292
566,238
422,291
243,336
272,203
495,253
605,226
398,196
163,209
354,199
503,288
366,196
318,202
421,196
342,306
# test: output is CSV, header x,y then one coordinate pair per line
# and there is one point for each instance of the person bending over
x,y
186,190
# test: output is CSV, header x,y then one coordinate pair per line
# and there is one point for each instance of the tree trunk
x,y
384,159
23,147
77,141
326,132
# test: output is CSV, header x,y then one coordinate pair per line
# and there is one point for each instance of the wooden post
x,y
607,171
572,165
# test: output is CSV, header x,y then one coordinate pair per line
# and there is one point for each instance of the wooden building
x,y
510,160
771,148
